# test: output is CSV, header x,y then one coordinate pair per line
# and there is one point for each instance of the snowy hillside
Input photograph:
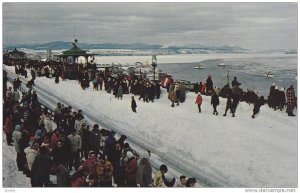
x,y
228,151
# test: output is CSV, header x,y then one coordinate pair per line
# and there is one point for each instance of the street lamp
x,y
154,65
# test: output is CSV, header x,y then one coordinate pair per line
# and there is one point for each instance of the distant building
x,y
16,54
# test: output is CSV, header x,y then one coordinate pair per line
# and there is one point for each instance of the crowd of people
x,y
79,156
117,82
277,99
96,156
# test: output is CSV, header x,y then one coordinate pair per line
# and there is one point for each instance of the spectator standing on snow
x,y
257,104
31,153
215,102
133,104
228,104
105,172
109,145
144,171
291,100
75,144
199,102
120,92
40,171
131,170
158,179
95,136
16,136
209,85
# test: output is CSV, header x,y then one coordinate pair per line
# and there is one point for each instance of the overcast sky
x,y
249,25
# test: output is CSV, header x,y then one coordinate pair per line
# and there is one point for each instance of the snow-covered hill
x,y
230,151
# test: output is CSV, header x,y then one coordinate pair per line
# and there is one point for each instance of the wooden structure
x,y
75,52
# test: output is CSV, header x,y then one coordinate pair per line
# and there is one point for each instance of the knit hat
x,y
38,133
18,127
129,154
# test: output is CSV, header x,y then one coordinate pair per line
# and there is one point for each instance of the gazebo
x,y
16,54
75,52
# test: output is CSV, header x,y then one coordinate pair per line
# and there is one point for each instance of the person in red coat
x,y
8,129
291,100
78,178
199,102
131,170
90,165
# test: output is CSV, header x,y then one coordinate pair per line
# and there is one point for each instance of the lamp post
x,y
154,65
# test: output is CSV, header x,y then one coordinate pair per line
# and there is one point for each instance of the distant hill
x,y
58,45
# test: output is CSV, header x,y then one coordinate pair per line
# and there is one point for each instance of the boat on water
x,y
221,64
269,75
199,66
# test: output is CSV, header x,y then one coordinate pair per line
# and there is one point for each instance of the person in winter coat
x,y
95,136
78,178
228,104
235,99
85,136
258,103
31,152
57,113
199,102
16,95
291,100
76,145
54,138
133,104
45,119
118,173
235,82
62,174
144,172
120,92
105,172
271,98
131,170
209,85
158,180
23,143
90,164
40,171
281,99
16,136
59,154
168,180
215,102
95,84
8,129
109,145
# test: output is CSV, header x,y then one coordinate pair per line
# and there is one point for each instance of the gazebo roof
x,y
15,51
74,51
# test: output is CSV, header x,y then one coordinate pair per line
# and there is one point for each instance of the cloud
x,y
250,25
